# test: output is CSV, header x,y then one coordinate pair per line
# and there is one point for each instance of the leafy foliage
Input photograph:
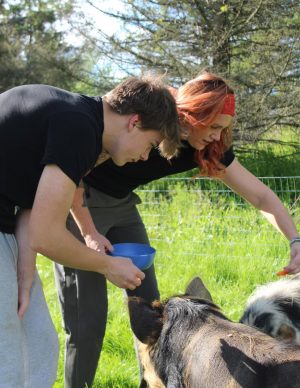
x,y
253,43
34,47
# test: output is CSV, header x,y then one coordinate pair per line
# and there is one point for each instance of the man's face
x,y
134,144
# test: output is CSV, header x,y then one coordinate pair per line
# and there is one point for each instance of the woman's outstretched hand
x,y
294,264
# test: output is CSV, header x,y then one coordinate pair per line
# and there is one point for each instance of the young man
x,y
49,139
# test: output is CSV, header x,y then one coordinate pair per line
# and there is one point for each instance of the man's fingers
x,y
140,275
137,282
21,310
108,246
21,314
124,274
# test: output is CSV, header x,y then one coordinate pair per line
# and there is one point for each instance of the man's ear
x,y
133,121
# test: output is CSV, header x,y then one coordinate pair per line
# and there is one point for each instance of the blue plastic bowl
x,y
142,255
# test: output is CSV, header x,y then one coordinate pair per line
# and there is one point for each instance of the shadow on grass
x,y
271,161
116,383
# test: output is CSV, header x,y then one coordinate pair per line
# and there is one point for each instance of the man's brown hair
x,y
150,98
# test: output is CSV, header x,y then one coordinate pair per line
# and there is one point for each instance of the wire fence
x,y
286,187
194,214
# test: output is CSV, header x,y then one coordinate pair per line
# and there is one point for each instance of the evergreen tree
x,y
35,49
253,43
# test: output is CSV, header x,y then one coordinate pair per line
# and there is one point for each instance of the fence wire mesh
x,y
203,217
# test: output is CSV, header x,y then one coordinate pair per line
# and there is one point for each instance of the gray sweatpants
x,y
29,347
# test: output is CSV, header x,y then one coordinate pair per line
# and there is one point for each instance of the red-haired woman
x,y
206,107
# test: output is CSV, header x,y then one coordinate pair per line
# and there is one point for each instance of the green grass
x,y
210,234
277,154
230,246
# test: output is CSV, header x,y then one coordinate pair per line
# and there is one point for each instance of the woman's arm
x,y
84,221
240,180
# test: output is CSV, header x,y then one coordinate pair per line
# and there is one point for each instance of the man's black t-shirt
x,y
42,125
118,182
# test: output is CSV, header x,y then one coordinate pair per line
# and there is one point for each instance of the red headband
x,y
229,105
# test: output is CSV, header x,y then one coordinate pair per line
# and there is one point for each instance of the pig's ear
x,y
197,288
145,319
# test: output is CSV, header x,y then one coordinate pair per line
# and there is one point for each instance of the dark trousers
x,y
83,294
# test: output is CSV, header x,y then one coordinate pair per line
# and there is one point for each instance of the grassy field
x,y
197,229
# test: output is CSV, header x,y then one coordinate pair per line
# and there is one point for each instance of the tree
x,y
253,43
35,49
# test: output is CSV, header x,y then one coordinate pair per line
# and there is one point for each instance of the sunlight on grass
x,y
198,230
232,248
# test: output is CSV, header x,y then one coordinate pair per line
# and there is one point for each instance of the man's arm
x,y
26,262
49,236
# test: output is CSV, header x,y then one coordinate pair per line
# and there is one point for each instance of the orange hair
x,y
199,102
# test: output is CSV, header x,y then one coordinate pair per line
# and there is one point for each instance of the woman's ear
x,y
185,133
133,121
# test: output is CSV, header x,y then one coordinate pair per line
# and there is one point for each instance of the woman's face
x,y
199,139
